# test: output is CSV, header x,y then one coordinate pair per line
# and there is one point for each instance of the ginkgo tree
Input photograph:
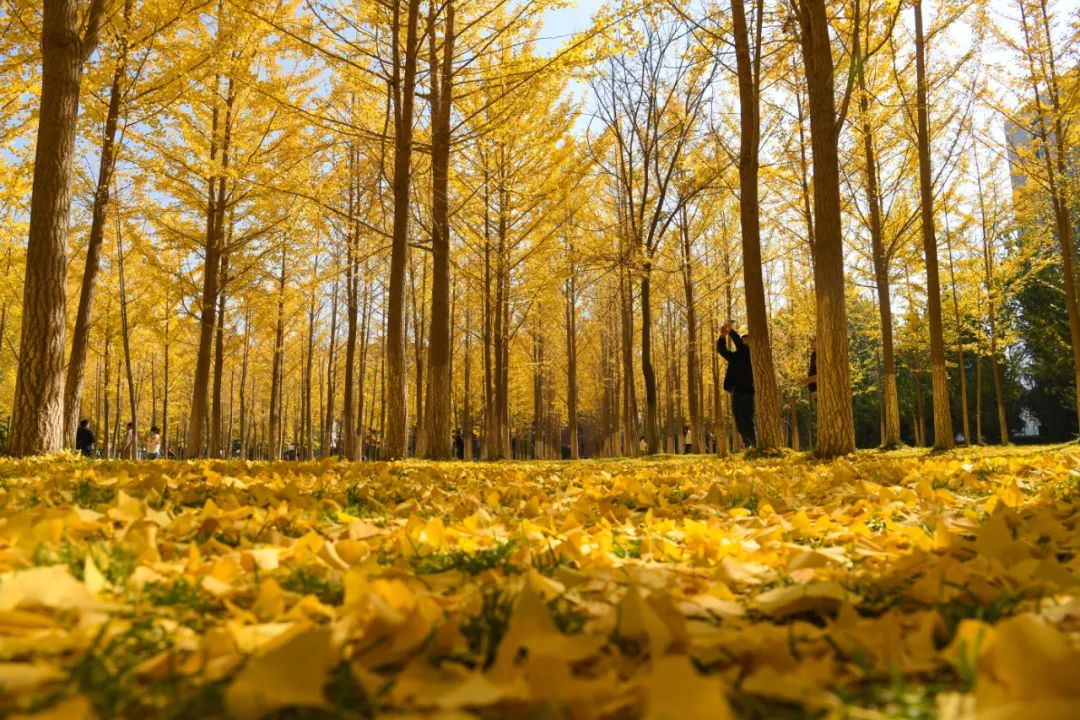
x,y
371,230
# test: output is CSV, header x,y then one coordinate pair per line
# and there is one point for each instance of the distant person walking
x,y
153,444
84,439
739,380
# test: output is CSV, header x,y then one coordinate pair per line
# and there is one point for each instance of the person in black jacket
x,y
84,438
811,373
739,380
811,384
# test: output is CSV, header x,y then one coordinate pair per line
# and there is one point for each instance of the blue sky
x,y
560,23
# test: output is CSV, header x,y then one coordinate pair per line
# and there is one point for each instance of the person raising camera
x,y
739,380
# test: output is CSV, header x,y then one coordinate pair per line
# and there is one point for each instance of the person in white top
x,y
153,444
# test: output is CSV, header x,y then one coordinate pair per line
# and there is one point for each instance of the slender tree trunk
x,y
81,332
836,426
361,376
571,355
165,384
327,441
215,216
939,373
438,443
395,439
116,421
245,412
991,310
890,397
37,419
629,405
647,371
920,412
276,425
978,439
488,329
466,400
419,321
103,430
538,396
1056,155
352,304
229,425
693,363
770,434
216,406
125,335
309,364
961,361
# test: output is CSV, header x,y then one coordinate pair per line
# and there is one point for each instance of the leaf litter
x,y
879,585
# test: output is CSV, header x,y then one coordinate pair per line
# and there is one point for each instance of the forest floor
x,y
883,585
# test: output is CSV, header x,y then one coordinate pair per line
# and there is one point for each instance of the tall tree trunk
x,y
991,310
395,440
125,335
538,396
466,400
571,354
978,439
647,371
693,363
326,444
920,411
1056,155
488,328
836,426
276,425
103,430
165,384
438,443
116,421
361,385
719,417
629,404
961,362
419,322
216,405
229,425
215,217
37,419
770,433
890,437
352,304
309,442
107,162
245,412
939,373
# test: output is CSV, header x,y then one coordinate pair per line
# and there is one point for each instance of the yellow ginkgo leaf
x,y
676,691
288,672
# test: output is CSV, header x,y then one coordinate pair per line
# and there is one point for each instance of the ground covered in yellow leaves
x,y
885,585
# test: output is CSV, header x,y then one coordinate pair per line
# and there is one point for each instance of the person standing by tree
x,y
739,380
84,439
459,444
811,384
